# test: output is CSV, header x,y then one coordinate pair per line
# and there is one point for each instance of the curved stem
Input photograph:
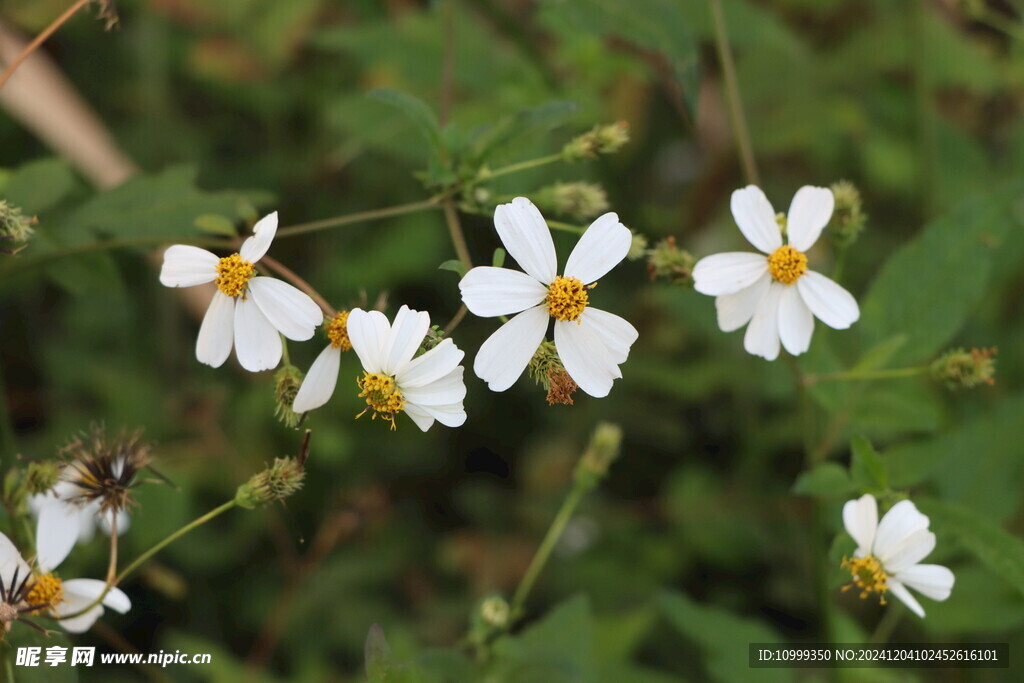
x,y
40,39
515,168
732,94
290,275
451,216
456,319
361,217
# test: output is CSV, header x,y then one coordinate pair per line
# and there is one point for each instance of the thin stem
x,y
547,545
855,375
886,625
290,275
361,217
451,217
102,245
566,227
732,95
40,39
515,168
112,567
456,319
448,63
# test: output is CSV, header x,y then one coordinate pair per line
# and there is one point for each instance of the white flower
x,y
888,553
759,290
55,506
319,383
426,388
591,343
247,311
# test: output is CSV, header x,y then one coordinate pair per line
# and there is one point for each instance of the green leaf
x,y
866,465
723,637
994,547
560,647
454,265
950,262
380,668
40,185
416,110
826,480
216,224
524,123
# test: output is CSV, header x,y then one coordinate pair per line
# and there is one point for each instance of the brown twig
x,y
40,39
456,319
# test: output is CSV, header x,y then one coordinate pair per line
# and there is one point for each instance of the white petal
x,y
368,332
900,591
319,383
256,246
257,343
407,333
507,352
488,291
57,532
912,550
78,593
216,334
860,517
290,310
422,419
527,238
756,218
187,266
617,334
605,243
446,390
451,415
728,273
83,622
796,324
762,336
808,215
902,520
931,580
829,302
736,310
430,367
124,521
11,561
585,357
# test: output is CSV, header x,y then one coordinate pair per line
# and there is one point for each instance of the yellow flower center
x,y
47,590
567,297
337,331
233,272
786,264
867,575
382,396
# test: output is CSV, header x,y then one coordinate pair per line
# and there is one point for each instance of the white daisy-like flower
x,y
426,387
247,311
776,294
889,552
319,383
57,506
591,343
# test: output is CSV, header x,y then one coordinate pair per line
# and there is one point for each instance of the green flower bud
x,y
42,476
600,454
960,369
666,260
287,381
15,229
606,139
495,611
637,248
579,200
848,217
277,482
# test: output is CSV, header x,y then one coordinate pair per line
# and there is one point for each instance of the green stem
x,y
515,168
566,227
732,94
547,545
103,245
451,217
886,625
855,375
361,217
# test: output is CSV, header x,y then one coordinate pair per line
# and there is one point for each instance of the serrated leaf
x,y
866,465
454,265
417,111
997,549
825,480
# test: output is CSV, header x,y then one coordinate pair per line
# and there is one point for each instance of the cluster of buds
x,y
15,228
579,200
666,260
606,139
287,381
960,369
602,451
280,480
547,370
848,217
435,335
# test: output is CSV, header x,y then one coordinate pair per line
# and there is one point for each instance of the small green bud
x,y
579,200
960,369
547,370
495,611
848,217
600,454
669,261
42,476
606,139
637,248
277,482
435,335
287,381
15,229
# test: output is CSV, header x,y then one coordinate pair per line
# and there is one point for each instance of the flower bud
x,y
848,218
669,261
287,381
277,482
579,200
600,454
606,139
42,476
960,369
15,229
547,370
637,248
495,611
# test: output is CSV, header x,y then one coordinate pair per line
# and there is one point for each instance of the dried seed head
x,y
105,469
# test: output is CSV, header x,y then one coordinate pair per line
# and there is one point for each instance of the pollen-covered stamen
x,y
337,331
787,264
233,272
382,396
567,297
867,575
47,590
